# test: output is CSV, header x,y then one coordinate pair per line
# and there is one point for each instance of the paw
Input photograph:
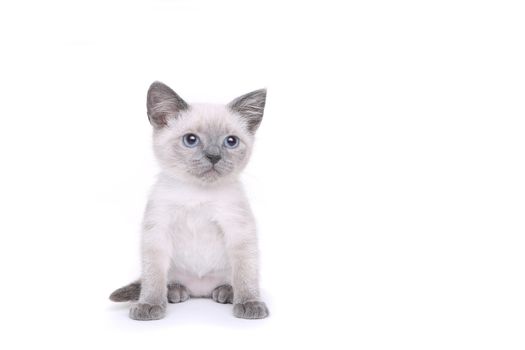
x,y
223,294
177,293
147,312
251,310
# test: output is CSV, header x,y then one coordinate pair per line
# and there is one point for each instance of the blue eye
x,y
231,141
190,140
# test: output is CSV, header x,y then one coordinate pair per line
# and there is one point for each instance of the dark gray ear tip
x,y
258,92
257,96
160,91
260,95
261,92
158,86
154,85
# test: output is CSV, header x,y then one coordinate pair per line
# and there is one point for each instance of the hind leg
x,y
223,294
177,293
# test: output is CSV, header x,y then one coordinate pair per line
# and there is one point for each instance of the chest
x,y
198,242
196,224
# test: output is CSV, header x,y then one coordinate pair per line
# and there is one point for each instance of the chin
x,y
209,177
212,178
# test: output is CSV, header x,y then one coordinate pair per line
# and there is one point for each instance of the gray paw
x,y
146,312
251,310
223,294
177,293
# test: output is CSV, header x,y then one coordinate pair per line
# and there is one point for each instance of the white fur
x,y
197,233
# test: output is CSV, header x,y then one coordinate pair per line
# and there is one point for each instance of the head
x,y
203,143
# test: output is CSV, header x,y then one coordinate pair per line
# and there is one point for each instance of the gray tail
x,y
131,292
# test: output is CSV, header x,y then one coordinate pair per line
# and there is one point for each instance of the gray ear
x,y
163,103
250,107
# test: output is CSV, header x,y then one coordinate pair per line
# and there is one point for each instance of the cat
x,y
198,234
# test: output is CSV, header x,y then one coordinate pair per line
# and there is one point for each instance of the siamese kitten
x,y
198,235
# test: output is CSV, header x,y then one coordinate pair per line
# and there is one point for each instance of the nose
x,y
213,158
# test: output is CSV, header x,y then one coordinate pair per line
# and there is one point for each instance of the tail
x,y
131,292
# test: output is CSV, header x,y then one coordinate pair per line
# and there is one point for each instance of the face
x,y
202,142
205,144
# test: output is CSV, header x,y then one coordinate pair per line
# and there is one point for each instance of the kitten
x,y
198,236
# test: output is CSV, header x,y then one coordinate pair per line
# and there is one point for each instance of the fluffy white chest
x,y
198,243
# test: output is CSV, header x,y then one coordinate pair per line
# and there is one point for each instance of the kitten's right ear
x,y
163,103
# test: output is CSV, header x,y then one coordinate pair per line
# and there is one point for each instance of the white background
x,y
388,175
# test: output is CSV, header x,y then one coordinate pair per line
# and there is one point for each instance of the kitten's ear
x,y
163,103
250,107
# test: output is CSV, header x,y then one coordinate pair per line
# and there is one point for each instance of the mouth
x,y
211,171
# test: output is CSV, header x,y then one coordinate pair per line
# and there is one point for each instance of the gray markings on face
x,y
209,160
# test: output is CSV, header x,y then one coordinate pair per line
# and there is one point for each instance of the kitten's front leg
x,y
155,264
245,282
241,243
153,294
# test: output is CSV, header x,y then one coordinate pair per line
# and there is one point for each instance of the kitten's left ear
x,y
251,108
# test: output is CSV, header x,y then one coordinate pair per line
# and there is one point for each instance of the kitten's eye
x,y
190,140
231,141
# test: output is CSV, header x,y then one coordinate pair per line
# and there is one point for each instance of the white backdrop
x,y
388,175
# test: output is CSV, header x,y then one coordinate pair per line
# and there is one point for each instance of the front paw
x,y
147,312
251,310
